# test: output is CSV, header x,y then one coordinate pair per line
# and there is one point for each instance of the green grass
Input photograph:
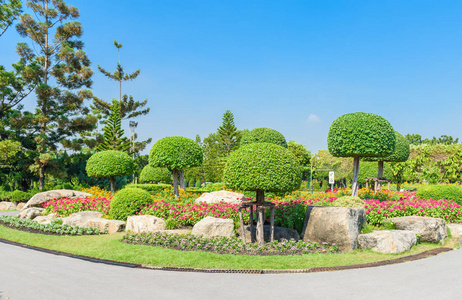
x,y
110,247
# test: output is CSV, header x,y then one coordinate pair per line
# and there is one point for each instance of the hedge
x,y
264,135
438,192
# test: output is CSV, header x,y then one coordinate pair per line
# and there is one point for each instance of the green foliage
x,y
437,192
368,169
198,184
227,134
361,134
8,150
127,202
151,174
109,163
113,133
175,152
349,201
400,154
191,183
9,11
151,188
262,166
20,196
303,156
264,135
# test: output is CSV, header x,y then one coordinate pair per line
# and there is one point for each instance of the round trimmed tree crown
x,y
262,166
175,152
361,134
400,154
264,135
109,163
154,174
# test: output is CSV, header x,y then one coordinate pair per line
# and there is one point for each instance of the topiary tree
x,y
360,135
154,175
109,163
176,153
127,202
262,167
263,135
400,154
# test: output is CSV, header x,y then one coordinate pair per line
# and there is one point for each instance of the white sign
x,y
331,177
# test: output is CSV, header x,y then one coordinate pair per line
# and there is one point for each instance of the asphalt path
x,y
31,274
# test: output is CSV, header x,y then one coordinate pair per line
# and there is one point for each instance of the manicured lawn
x,y
110,247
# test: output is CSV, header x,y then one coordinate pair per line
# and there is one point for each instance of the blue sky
x,y
294,66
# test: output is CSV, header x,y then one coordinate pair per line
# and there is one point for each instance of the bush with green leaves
x,y
438,192
150,188
349,201
264,135
262,167
198,183
401,152
152,174
127,202
109,163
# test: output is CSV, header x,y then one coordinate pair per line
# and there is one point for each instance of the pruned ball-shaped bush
x,y
349,201
152,174
109,163
264,135
262,166
437,192
401,152
127,202
175,152
150,188
361,134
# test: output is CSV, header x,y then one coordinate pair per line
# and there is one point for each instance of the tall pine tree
x,y
63,74
227,134
113,133
9,11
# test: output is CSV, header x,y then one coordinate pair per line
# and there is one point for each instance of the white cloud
x,y
312,118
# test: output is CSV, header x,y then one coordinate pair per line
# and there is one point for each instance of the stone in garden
x,y
388,241
46,219
339,225
218,196
30,213
38,199
456,230
214,227
81,218
431,230
146,223
279,233
20,206
7,206
112,226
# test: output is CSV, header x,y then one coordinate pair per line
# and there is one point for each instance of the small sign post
x,y
331,180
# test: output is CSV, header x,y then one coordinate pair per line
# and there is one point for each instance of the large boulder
x,y
38,199
388,241
112,226
456,230
432,230
280,233
145,223
20,206
30,213
7,206
221,196
214,227
339,225
81,218
46,219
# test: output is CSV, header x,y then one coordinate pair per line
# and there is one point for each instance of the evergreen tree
x,y
227,134
113,133
62,71
9,11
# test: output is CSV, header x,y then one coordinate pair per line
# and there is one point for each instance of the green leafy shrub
x,y
20,196
150,188
264,135
127,202
349,201
437,192
198,184
152,174
191,183
401,152
175,152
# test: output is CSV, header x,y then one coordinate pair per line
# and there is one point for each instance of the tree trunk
x,y
182,185
354,187
260,196
260,229
41,177
112,185
175,183
380,174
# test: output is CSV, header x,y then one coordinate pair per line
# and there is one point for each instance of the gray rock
x,y
456,230
220,196
46,219
280,233
81,218
4,205
214,227
339,225
146,223
112,226
432,230
38,199
30,213
388,241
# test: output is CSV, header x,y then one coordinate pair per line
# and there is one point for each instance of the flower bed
x,y
64,207
224,245
51,229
